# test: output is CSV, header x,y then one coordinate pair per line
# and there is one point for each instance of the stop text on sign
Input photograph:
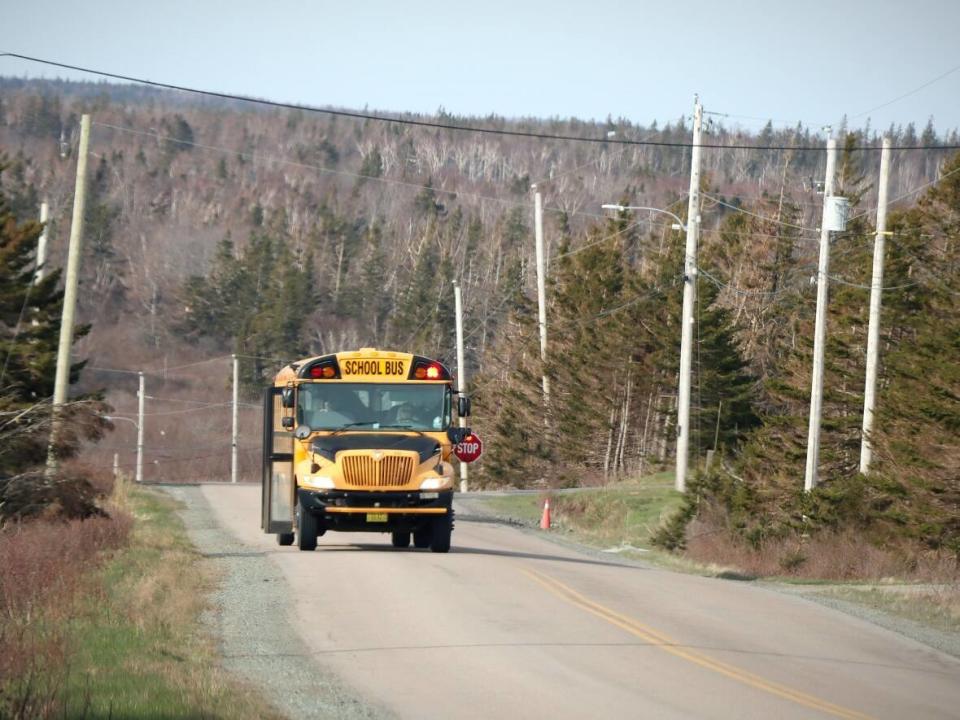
x,y
392,368
469,449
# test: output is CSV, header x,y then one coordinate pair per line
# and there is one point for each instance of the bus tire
x,y
285,539
440,532
307,530
400,539
421,537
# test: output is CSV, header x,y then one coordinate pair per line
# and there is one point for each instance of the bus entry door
x,y
277,491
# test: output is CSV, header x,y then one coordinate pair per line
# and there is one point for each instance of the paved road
x,y
511,625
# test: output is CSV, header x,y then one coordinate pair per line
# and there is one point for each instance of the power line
x,y
760,217
192,364
792,124
840,281
188,410
740,291
521,280
262,157
578,168
907,194
907,94
437,125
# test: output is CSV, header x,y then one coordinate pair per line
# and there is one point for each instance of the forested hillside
x,y
216,227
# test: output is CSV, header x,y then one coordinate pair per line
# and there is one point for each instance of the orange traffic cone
x,y
545,518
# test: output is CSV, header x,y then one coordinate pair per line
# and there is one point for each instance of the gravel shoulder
x,y
251,615
854,599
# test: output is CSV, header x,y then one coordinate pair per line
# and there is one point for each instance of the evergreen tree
x,y
103,268
915,478
723,390
29,336
372,165
519,448
258,301
587,365
415,318
425,204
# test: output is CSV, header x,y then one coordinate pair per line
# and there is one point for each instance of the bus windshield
x,y
338,406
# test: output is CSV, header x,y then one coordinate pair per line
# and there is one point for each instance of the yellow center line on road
x,y
667,644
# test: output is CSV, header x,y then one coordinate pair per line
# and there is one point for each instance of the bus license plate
x,y
377,517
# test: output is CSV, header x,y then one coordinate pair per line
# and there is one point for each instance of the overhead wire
x,y
909,193
269,158
432,124
781,122
884,288
188,410
925,85
521,280
544,136
264,157
765,218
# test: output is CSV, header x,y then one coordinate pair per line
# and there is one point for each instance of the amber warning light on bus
x,y
424,369
324,369
468,449
324,373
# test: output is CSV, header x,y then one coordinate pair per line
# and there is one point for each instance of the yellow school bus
x,y
361,441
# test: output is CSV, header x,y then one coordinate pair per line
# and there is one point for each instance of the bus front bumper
x,y
374,511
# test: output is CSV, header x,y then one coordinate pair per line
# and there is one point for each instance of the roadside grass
x,y
937,607
623,516
138,645
620,516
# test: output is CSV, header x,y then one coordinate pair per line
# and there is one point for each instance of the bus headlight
x,y
432,483
324,482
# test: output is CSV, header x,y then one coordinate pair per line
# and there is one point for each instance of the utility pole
x,y
461,370
234,468
541,292
41,245
141,398
820,330
689,299
873,331
62,380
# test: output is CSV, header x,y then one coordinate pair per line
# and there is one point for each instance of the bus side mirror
x,y
286,397
287,423
463,406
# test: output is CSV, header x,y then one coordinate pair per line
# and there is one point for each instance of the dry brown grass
x,y
45,571
83,637
843,556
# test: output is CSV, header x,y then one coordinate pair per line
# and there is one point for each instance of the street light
x,y
678,225
689,297
111,418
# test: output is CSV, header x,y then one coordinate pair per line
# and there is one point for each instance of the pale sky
x,y
811,61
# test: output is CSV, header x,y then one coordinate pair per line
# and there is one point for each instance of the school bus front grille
x,y
388,471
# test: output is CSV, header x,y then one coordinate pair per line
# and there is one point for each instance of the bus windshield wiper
x,y
411,428
353,425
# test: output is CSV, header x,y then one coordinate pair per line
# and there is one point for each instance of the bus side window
x,y
278,412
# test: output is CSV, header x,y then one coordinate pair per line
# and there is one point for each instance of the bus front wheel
x,y
421,537
284,539
307,530
440,533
